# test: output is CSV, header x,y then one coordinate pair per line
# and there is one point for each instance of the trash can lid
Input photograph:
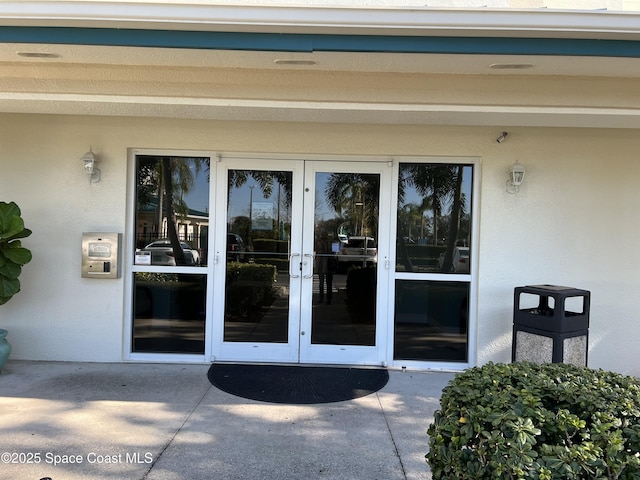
x,y
551,287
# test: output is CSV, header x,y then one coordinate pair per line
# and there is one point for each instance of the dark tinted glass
x,y
431,320
169,313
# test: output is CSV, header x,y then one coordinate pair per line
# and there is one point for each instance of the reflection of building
x,y
192,227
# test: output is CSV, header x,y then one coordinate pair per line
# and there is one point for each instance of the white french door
x,y
300,257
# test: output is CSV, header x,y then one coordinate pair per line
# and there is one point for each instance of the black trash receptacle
x,y
548,332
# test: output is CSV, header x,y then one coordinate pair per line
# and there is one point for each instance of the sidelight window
x,y
433,262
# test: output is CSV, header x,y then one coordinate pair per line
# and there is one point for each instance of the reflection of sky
x,y
322,210
198,196
239,199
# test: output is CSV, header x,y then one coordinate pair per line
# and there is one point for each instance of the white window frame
x,y
471,278
129,268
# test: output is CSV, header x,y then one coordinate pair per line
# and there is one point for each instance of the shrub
x,y
282,265
529,421
425,251
269,245
250,272
249,289
157,277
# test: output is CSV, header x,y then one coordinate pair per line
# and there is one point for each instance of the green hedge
x,y
424,251
282,265
237,271
267,251
270,245
249,289
529,421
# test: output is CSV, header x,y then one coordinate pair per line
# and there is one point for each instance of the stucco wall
x,y
574,221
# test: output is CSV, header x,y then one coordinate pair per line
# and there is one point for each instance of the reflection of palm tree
x,y
454,222
163,181
440,183
424,206
266,180
415,216
177,176
436,181
355,195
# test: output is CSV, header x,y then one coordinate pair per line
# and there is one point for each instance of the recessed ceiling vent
x,y
511,66
38,55
285,61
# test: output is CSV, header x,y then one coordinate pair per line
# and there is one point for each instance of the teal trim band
x,y
319,42
156,38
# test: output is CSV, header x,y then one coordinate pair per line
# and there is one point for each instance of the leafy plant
x,y
12,254
157,277
530,421
249,289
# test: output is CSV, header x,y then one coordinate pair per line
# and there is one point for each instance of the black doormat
x,y
297,384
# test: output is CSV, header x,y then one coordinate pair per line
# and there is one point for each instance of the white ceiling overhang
x,y
218,62
196,16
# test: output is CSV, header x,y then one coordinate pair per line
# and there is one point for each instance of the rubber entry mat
x,y
293,384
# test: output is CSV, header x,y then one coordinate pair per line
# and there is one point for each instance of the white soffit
x,y
322,21
325,20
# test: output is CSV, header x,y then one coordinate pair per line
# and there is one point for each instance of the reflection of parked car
x,y
460,260
162,253
355,251
235,248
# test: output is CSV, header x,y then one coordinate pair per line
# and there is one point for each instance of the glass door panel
x,y
339,319
258,248
346,260
300,245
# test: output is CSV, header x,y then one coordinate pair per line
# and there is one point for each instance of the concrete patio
x,y
69,421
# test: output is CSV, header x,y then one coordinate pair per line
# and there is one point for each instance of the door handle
x,y
311,263
291,263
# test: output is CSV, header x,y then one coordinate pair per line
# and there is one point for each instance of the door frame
x,y
387,272
350,354
299,348
471,278
257,351
130,269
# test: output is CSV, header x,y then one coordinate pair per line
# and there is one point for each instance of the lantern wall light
x,y
516,177
89,161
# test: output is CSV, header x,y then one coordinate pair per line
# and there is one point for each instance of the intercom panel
x,y
100,255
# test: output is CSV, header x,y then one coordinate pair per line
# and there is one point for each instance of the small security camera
x,y
502,137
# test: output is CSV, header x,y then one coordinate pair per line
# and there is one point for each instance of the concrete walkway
x,y
90,421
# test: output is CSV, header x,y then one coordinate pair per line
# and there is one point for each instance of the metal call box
x,y
100,255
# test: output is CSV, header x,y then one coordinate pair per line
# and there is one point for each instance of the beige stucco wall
x,y
573,223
